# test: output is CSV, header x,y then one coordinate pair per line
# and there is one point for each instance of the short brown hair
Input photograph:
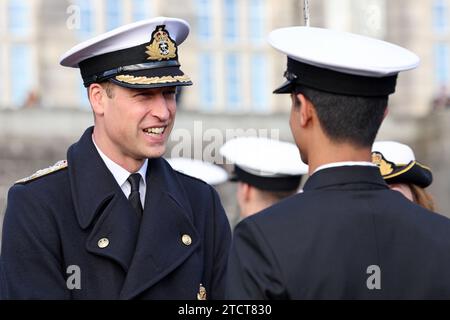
x,y
422,197
107,85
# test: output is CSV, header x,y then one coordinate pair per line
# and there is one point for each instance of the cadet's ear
x,y
243,191
96,97
306,110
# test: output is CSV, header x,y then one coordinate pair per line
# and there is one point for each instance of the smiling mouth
x,y
154,131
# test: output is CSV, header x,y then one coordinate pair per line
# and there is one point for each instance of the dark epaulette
x,y
56,167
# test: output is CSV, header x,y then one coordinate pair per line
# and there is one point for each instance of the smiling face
x,y
133,124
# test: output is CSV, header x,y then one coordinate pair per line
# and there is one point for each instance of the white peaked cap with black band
x,y
267,164
398,164
206,171
142,54
340,62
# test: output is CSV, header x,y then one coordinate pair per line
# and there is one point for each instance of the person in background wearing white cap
x,y
403,173
347,236
115,221
211,173
266,170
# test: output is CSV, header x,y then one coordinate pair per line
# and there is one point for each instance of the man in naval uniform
x,y
115,221
347,236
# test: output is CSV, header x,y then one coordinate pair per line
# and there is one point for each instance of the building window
x,y
231,16
86,18
141,9
233,81
442,63
440,16
204,20
257,18
259,81
114,14
19,21
21,73
207,81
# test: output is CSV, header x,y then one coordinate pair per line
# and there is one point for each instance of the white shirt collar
x,y
345,163
120,174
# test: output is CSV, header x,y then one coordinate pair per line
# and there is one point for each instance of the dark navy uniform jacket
x,y
321,244
57,221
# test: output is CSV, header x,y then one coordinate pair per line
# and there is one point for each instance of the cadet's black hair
x,y
344,118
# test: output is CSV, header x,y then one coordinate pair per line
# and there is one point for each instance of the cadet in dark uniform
x,y
347,236
115,221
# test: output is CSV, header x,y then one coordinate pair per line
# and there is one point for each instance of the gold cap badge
x,y
385,166
161,47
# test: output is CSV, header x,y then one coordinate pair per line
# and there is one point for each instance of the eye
x,y
143,94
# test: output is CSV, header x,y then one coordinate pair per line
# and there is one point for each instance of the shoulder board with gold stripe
x,y
56,167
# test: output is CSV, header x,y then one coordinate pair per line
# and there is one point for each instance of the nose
x,y
160,108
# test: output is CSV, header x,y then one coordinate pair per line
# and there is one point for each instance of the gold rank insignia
x,y
56,167
161,47
201,295
386,167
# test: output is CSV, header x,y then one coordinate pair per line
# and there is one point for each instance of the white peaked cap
x,y
208,172
342,51
340,62
398,164
395,152
139,55
124,37
264,157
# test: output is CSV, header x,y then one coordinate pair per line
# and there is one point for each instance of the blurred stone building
x,y
43,107
232,66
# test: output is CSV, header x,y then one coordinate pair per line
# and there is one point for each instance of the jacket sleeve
x,y
253,270
30,262
222,241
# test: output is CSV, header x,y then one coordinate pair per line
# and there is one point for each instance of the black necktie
x,y
135,196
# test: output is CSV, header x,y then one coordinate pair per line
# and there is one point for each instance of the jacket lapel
x,y
167,218
100,204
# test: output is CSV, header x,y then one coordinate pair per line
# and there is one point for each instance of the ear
x,y
306,110
245,190
97,96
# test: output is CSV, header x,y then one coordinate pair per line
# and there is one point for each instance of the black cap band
x,y
102,76
282,183
127,60
302,74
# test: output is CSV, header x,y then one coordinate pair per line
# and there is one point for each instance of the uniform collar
x,y
366,177
343,164
120,174
93,186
